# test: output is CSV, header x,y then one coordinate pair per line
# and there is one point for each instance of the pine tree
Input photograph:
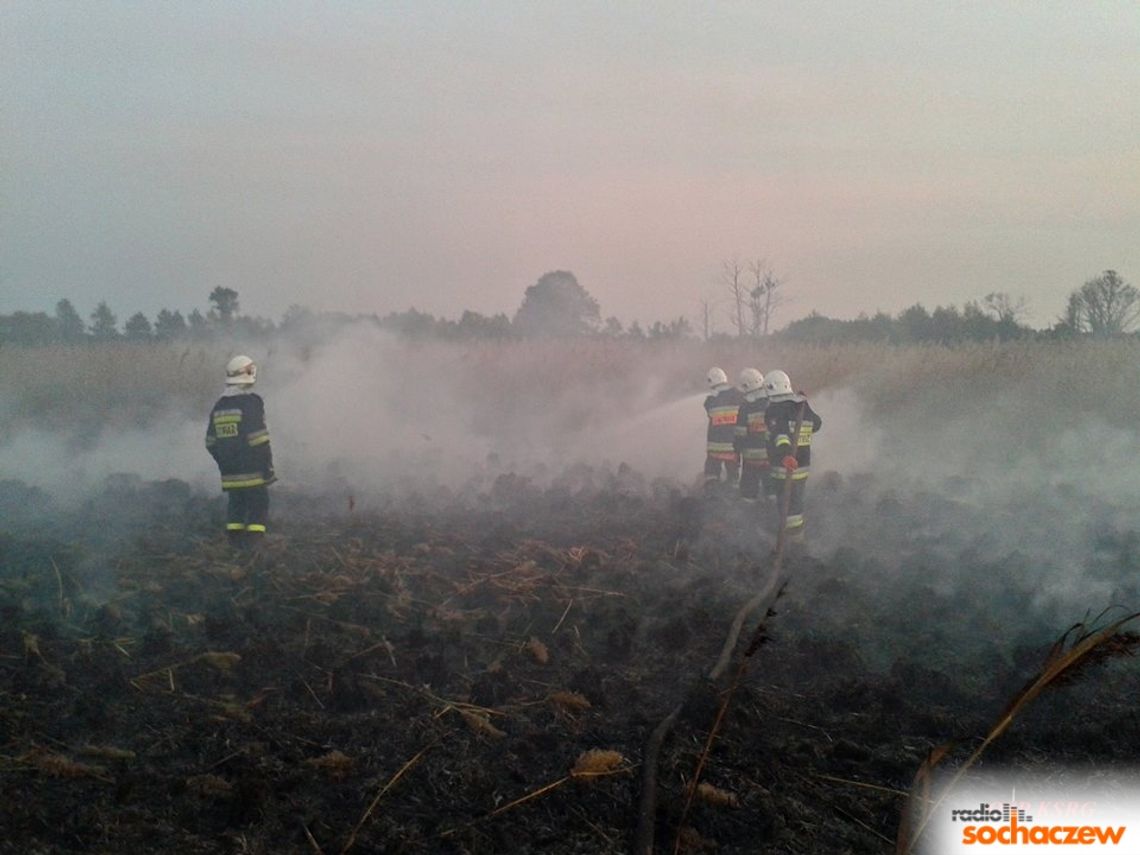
x,y
169,325
68,323
104,324
137,327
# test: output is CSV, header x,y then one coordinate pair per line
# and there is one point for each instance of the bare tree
x,y
1104,306
706,317
1005,308
763,298
732,276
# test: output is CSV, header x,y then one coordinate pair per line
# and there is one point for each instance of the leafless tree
x,y
1104,306
706,317
732,276
763,296
1005,308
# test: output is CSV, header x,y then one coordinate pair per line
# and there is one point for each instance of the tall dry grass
x,y
85,389
1023,390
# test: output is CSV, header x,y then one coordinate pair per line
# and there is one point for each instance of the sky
x,y
373,156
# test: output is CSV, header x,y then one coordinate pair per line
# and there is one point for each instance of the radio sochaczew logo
x,y
1011,825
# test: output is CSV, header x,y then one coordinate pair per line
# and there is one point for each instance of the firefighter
x,y
785,410
721,406
752,436
238,440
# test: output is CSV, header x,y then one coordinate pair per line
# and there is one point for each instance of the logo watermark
x,y
1005,815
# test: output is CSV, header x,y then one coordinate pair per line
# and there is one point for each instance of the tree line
x,y
558,306
1105,306
555,306
66,325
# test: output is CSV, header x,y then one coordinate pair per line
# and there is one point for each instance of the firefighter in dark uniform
x,y
238,440
785,410
752,436
721,406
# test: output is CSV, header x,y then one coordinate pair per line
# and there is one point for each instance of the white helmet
x,y
716,377
241,371
778,384
750,380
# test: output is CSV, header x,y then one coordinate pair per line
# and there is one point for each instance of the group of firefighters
x,y
759,435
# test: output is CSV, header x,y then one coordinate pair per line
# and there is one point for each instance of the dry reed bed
x,y
57,387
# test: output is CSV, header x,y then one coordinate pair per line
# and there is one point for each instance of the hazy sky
x,y
372,156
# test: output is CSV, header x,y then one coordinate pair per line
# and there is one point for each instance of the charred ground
x,y
388,677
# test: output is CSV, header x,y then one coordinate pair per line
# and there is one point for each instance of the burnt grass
x,y
392,676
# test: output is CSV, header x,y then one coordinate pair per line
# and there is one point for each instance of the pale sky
x,y
371,156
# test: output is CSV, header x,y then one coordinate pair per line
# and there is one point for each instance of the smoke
x,y
382,413
366,412
925,478
372,412
71,471
849,441
1029,490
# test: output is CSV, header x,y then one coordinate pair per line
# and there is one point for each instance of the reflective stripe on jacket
x,y
781,417
752,433
238,440
721,408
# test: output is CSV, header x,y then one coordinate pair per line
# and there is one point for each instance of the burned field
x,y
479,671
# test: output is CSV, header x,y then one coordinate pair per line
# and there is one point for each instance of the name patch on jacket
x,y
226,423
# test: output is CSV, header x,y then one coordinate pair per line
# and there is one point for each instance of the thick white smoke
x,y
172,447
1014,472
369,412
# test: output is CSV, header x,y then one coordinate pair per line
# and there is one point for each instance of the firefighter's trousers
x,y
795,521
715,465
755,481
248,510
